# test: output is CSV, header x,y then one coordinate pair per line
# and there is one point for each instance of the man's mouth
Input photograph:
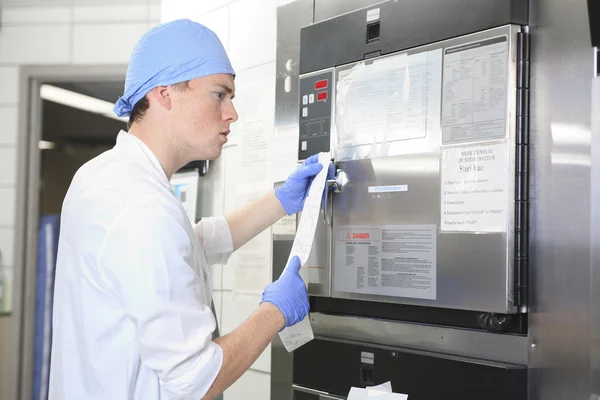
x,y
225,133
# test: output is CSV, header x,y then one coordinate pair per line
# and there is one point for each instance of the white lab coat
x,y
132,317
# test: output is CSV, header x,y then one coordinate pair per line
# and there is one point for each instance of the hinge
x,y
521,245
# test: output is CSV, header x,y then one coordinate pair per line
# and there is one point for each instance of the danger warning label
x,y
389,260
360,235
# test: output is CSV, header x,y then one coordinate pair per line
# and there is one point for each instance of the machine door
x,y
328,369
427,145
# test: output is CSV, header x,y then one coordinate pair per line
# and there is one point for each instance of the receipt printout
x,y
295,336
381,392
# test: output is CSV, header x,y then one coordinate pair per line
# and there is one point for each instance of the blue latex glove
x,y
294,190
288,293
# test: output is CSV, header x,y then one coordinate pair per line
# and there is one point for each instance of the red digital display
x,y
322,96
322,84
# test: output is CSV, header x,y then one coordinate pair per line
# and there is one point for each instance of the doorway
x,y
68,122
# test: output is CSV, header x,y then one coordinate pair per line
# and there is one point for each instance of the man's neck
x,y
161,146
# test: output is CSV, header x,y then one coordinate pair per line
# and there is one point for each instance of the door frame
x,y
27,206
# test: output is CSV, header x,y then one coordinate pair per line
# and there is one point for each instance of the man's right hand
x,y
289,294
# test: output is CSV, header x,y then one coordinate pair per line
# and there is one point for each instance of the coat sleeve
x,y
215,238
147,257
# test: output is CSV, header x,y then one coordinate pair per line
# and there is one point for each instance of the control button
x,y
311,98
322,96
305,112
304,100
304,145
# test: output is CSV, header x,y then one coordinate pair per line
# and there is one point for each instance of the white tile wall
x,y
8,165
39,44
263,363
237,308
155,11
216,273
9,85
34,3
106,43
255,94
37,15
231,171
229,276
175,9
253,385
9,124
112,2
218,22
7,244
247,28
114,13
42,32
8,197
51,3
218,301
252,39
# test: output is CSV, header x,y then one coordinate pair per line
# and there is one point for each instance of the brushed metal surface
x,y
559,312
459,342
474,271
325,9
290,18
595,241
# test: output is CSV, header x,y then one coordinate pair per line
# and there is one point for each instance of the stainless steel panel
x,y
474,271
595,240
325,9
319,259
459,342
290,18
559,313
322,395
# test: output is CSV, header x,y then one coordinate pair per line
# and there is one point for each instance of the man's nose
x,y
230,114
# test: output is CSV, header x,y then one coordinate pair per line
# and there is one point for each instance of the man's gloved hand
x,y
294,190
288,293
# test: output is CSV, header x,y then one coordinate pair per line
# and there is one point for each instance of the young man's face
x,y
202,115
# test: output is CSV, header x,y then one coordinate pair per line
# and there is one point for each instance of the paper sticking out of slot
x,y
296,336
380,392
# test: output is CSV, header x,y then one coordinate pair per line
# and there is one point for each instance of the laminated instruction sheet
x,y
295,336
395,98
475,188
387,260
474,91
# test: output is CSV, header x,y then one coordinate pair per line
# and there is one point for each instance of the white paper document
x,y
386,260
475,91
395,98
475,188
381,392
295,336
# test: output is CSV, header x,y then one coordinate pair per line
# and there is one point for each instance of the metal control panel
x,y
316,106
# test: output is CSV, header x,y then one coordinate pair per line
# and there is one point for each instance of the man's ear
x,y
162,95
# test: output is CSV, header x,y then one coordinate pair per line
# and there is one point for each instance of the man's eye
x,y
220,95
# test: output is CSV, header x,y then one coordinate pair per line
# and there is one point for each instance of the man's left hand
x,y
294,191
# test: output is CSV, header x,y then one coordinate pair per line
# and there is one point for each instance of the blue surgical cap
x,y
171,53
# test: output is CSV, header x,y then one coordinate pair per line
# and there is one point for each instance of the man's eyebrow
x,y
225,87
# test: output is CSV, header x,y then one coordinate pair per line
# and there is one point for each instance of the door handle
x,y
337,184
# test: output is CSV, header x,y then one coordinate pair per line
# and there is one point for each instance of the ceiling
x,y
107,91
63,124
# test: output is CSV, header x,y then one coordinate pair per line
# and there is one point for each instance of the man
x,y
132,317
